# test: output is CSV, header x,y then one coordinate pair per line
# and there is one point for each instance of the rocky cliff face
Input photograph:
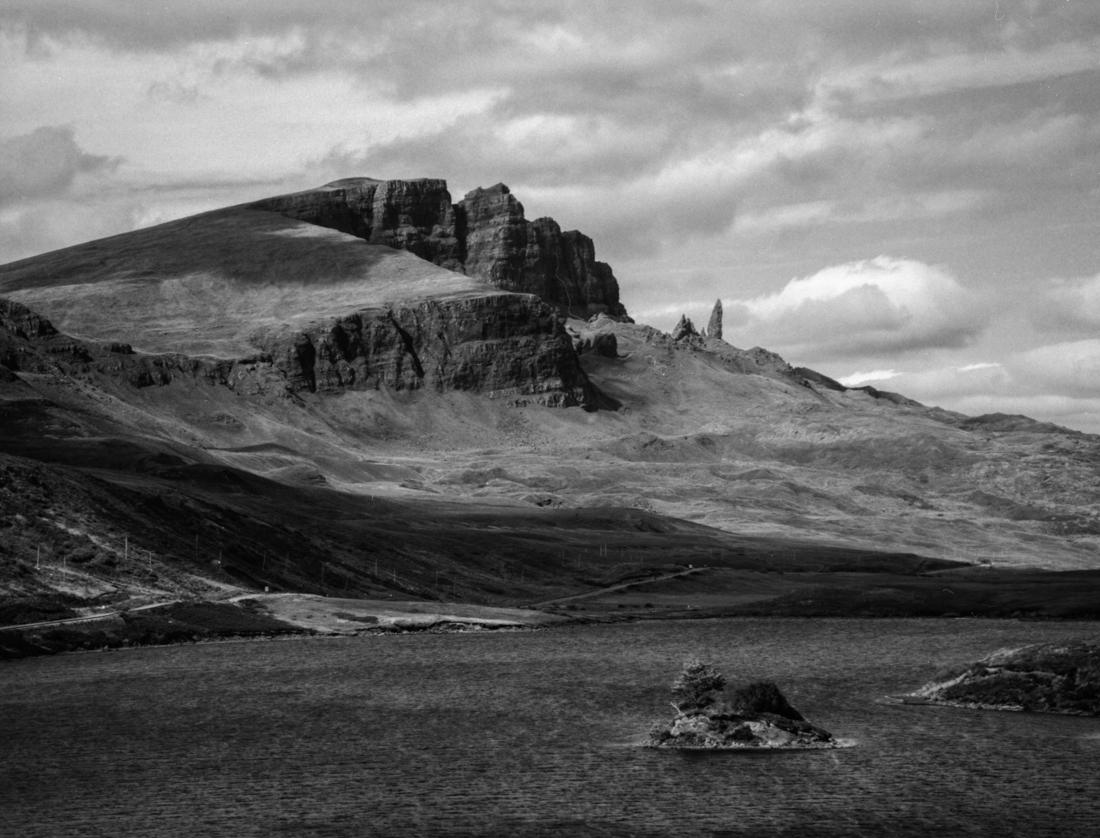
x,y
507,346
535,257
21,321
413,215
485,235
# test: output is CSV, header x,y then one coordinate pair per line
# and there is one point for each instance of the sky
x,y
894,193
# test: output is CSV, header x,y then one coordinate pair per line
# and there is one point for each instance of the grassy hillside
x,y
202,285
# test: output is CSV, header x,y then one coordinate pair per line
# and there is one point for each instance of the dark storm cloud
x,y
44,164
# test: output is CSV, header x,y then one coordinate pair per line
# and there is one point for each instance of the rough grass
x,y
202,284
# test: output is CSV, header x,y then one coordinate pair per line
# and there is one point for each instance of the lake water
x,y
529,734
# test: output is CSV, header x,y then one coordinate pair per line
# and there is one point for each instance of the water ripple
x,y
527,735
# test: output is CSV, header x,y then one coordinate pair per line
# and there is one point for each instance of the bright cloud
x,y
876,305
858,379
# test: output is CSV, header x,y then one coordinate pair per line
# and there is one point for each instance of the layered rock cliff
x,y
485,236
535,257
413,215
507,346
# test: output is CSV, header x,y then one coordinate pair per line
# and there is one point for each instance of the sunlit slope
x,y
202,285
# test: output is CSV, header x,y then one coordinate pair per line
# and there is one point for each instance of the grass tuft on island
x,y
1044,678
756,716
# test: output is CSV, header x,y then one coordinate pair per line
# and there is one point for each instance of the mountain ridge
x,y
244,342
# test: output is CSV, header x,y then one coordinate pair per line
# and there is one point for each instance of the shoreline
x,y
922,701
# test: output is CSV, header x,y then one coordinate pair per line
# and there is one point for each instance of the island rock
x,y
754,716
1047,678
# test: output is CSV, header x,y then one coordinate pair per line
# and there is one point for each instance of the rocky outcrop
x,y
507,346
1050,678
23,322
29,343
714,326
485,235
684,329
414,215
496,238
535,257
755,716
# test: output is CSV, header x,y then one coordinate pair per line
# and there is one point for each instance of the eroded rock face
x,y
714,326
496,236
485,235
23,322
507,346
535,257
684,329
29,343
413,215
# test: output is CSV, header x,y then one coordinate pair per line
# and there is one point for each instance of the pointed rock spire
x,y
714,327
685,328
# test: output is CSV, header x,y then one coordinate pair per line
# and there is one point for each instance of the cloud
x,y
882,306
48,225
889,78
44,164
1071,368
1067,306
858,379
1057,382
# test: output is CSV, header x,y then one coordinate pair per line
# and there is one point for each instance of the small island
x,y
753,716
1044,678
